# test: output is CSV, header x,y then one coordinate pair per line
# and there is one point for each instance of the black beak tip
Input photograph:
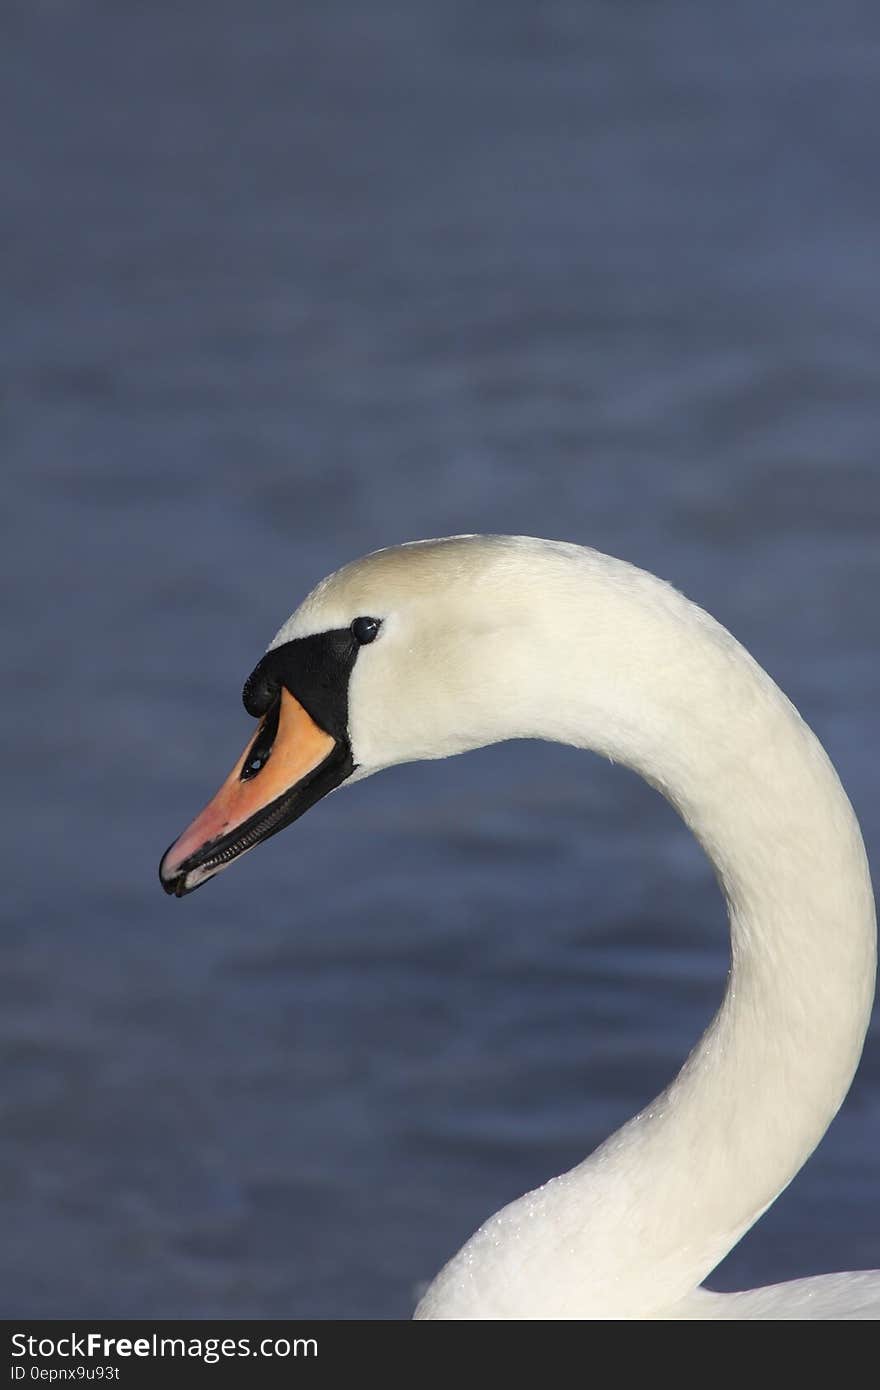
x,y
173,883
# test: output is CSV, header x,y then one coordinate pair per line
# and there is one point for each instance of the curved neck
x,y
660,686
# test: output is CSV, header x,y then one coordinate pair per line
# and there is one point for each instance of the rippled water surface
x,y
286,283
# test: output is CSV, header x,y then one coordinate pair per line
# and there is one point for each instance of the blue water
x,y
285,283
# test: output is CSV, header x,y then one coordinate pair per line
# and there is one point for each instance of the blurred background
x,y
282,284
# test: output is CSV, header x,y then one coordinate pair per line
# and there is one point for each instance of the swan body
x,y
479,639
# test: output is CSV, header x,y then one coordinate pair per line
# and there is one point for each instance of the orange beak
x,y
287,767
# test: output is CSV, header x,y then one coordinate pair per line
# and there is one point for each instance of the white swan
x,y
436,647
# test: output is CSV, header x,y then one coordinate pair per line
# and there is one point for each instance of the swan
x,y
435,647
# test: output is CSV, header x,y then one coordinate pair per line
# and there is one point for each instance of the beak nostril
x,y
261,749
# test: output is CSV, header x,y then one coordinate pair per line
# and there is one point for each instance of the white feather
x,y
490,638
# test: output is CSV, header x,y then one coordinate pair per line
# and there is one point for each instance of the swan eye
x,y
365,630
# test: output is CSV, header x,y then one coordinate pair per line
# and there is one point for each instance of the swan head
x,y
392,659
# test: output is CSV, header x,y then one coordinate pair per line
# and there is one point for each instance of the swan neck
x,y
658,685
